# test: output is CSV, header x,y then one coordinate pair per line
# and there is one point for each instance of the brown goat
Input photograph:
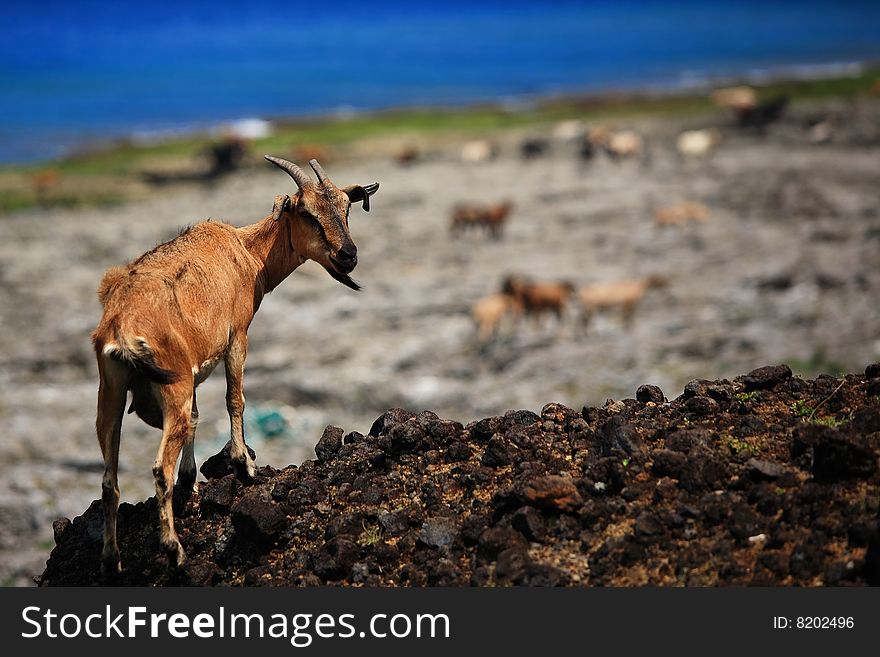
x,y
624,294
681,214
172,314
489,312
538,298
491,218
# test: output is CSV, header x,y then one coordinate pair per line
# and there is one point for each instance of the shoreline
x,y
108,171
686,85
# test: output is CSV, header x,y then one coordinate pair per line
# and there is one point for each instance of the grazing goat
x,y
681,214
736,98
698,144
538,298
623,294
407,156
534,147
492,218
489,312
478,151
620,145
171,315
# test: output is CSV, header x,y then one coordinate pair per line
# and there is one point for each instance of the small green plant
x,y
370,536
625,462
746,396
802,408
831,421
738,446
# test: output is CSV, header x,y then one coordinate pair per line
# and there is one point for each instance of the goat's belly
x,y
203,371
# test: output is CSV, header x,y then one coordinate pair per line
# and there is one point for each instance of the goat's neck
x,y
269,242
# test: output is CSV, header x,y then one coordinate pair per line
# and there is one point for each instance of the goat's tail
x,y
138,355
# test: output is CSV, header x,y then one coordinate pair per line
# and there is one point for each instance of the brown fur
x,y
538,298
489,312
623,294
172,314
492,218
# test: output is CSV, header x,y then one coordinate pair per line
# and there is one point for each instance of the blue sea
x,y
73,73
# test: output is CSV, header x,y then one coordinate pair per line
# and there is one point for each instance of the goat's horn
x,y
323,178
300,177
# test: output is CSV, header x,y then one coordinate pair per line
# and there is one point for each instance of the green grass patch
x,y
746,397
738,446
802,408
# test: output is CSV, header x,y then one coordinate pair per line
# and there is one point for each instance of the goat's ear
x,y
282,204
358,193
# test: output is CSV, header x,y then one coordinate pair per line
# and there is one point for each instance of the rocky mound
x,y
768,479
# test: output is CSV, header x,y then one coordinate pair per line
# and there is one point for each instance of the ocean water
x,y
75,72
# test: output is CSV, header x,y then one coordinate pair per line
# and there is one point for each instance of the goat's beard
x,y
345,279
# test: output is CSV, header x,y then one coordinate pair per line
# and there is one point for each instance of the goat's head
x,y
319,218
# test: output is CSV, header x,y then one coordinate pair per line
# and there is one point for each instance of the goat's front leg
x,y
242,462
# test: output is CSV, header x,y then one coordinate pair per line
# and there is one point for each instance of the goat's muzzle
x,y
342,264
345,259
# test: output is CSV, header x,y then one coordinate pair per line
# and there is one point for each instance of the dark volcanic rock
x,y
438,532
835,454
764,378
255,517
329,444
552,493
220,464
388,419
648,393
713,488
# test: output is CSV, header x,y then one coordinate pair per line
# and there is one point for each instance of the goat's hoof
x,y
245,472
176,555
110,564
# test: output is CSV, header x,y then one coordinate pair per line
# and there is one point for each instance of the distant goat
x,y
407,156
490,218
620,294
681,214
174,313
538,298
698,144
534,147
762,114
489,312
478,151
619,145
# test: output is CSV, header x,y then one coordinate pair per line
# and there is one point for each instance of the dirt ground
x,y
765,480
784,270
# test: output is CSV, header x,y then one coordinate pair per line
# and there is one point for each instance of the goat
x,y
624,294
538,298
681,214
534,147
619,145
736,98
698,144
477,151
762,114
173,313
407,156
492,218
490,311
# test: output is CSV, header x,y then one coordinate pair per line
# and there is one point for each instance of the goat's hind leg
x,y
112,392
186,473
176,431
